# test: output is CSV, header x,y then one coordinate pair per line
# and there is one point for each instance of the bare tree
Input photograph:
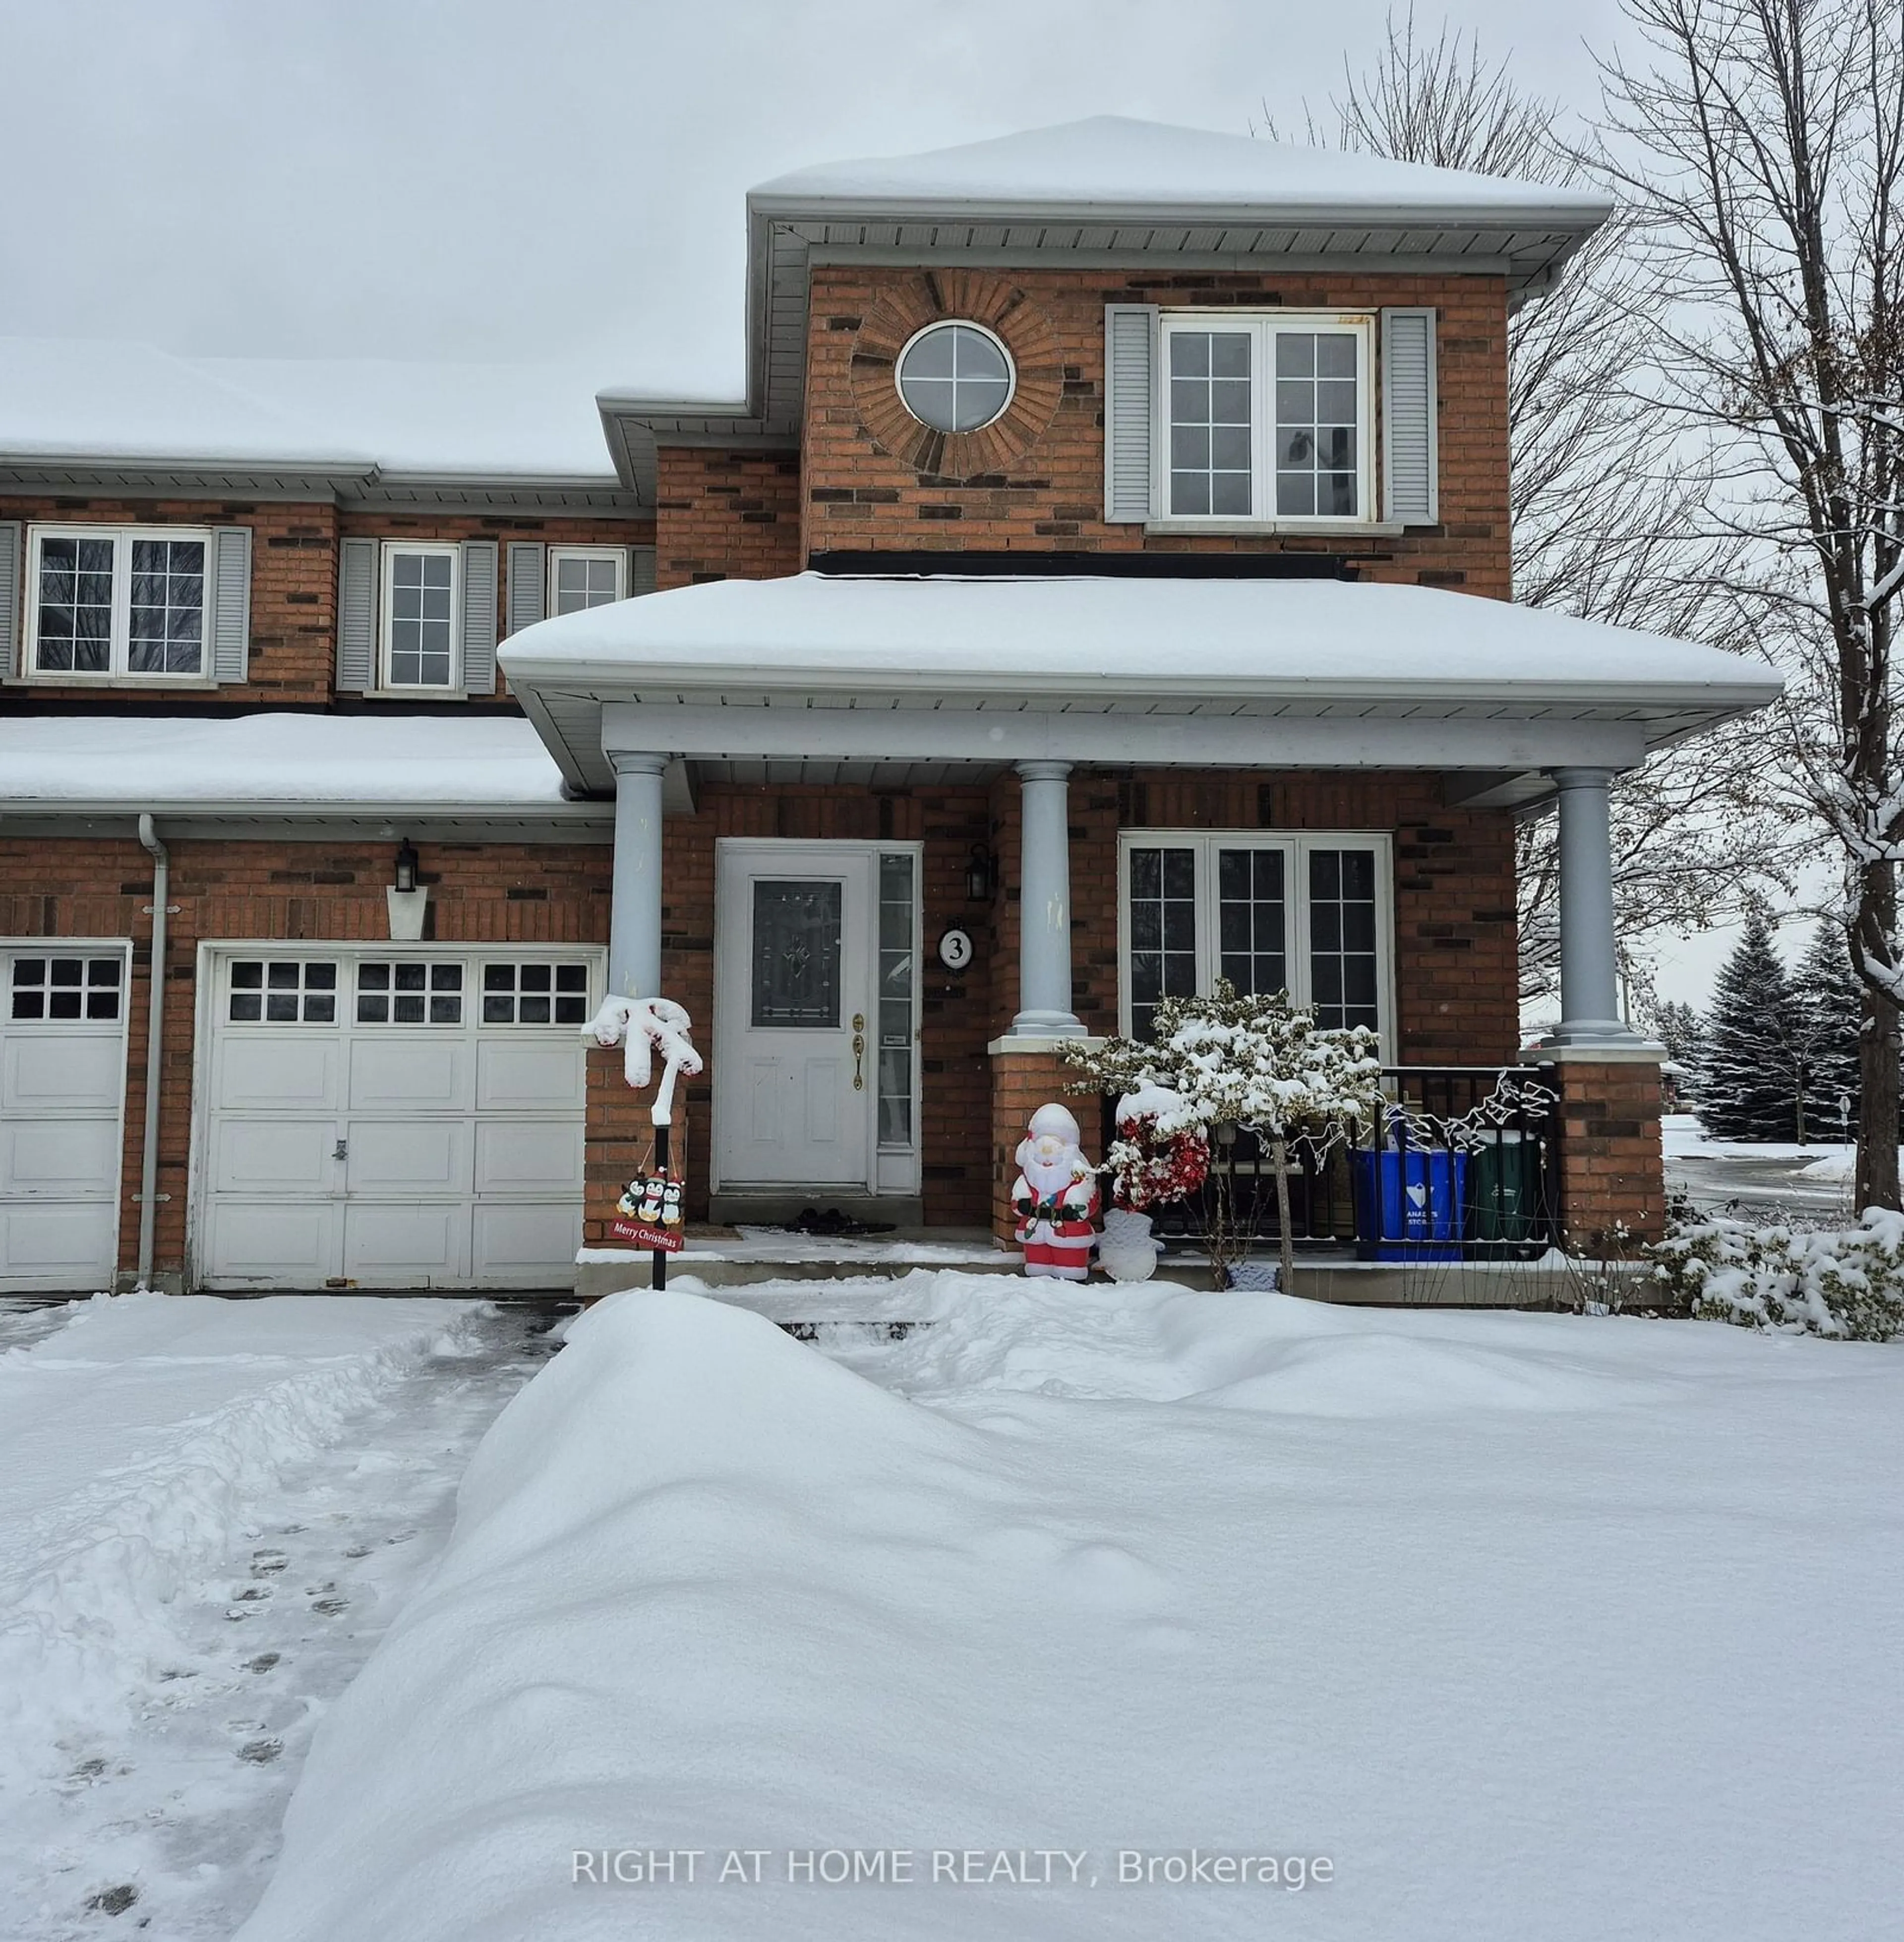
x,y
1606,513
1762,149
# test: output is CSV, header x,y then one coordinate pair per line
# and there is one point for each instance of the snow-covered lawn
x,y
1532,1627
209,1512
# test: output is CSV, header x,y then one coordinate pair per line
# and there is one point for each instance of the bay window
x,y
1305,914
114,603
1265,417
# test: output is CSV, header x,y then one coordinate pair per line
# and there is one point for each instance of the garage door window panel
x,y
535,994
410,993
282,991
57,989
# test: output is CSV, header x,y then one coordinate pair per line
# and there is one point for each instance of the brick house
x,y
1102,588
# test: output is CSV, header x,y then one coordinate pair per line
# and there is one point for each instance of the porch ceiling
x,y
924,675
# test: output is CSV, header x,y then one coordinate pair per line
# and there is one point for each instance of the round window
x,y
954,377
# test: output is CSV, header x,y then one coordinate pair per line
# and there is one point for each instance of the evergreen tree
x,y
1753,1071
1826,990
1682,1032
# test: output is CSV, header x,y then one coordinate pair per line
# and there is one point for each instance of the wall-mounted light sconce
x,y
981,874
408,901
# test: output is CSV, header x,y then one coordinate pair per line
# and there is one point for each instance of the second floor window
x,y
117,602
1265,418
421,647
582,576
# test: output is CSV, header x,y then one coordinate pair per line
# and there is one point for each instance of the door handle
x,y
859,1062
341,1151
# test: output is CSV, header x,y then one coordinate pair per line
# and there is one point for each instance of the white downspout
x,y
155,1030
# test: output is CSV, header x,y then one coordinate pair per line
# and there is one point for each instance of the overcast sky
x,y
561,182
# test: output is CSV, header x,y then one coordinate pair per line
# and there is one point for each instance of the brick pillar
x,y
617,1139
1612,1172
1025,1076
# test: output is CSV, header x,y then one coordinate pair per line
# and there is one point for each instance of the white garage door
x,y
63,1076
394,1117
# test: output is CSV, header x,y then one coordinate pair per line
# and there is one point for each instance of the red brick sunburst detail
x,y
909,304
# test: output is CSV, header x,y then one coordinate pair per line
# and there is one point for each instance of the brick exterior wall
x,y
328,891
293,587
726,516
874,478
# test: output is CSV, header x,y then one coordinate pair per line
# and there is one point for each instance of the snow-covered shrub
x,y
1252,1062
1847,1283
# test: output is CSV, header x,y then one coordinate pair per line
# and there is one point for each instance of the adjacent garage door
x,y
389,1117
63,1075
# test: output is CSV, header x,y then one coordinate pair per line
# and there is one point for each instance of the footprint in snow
x,y
264,1564
112,1900
330,1605
263,1662
251,1594
261,1753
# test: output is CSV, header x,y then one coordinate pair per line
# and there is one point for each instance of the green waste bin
x,y
1503,1193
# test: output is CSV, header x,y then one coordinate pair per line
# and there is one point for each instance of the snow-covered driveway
x,y
1531,1626
209,1511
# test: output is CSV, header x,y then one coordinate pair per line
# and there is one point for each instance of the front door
x,y
794,1067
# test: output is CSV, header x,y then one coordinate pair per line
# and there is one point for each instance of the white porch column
x,y
635,914
1044,906
1590,978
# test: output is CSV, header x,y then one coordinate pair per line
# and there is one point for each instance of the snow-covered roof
x,y
82,401
1038,633
1111,163
1108,191
480,764
1169,651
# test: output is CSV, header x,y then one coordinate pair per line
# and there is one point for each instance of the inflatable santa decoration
x,y
1056,1197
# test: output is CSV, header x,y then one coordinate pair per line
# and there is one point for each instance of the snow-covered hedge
x,y
1846,1282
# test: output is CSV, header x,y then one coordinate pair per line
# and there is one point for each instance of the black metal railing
x,y
1466,1168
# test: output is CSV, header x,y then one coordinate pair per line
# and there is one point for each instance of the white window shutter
x,y
1130,417
528,583
1410,492
357,616
12,538
480,561
228,617
641,570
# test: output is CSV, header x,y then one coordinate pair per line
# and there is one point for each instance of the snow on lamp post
x,y
1256,1065
644,1027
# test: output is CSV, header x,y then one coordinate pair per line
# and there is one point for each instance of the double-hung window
x,y
584,577
421,640
1264,417
1304,914
117,603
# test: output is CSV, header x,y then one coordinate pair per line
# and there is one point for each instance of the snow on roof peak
x,y
1111,160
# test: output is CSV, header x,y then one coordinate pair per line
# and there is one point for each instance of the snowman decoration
x,y
1055,1197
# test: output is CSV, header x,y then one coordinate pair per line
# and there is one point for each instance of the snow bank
x,y
1457,1601
131,1441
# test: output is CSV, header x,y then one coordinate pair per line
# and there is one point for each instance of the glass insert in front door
x,y
794,978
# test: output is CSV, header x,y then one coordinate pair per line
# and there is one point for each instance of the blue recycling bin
x,y
1408,1203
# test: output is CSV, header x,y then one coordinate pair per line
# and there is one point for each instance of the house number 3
x,y
955,950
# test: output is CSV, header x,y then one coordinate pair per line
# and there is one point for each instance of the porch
x,y
772,744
